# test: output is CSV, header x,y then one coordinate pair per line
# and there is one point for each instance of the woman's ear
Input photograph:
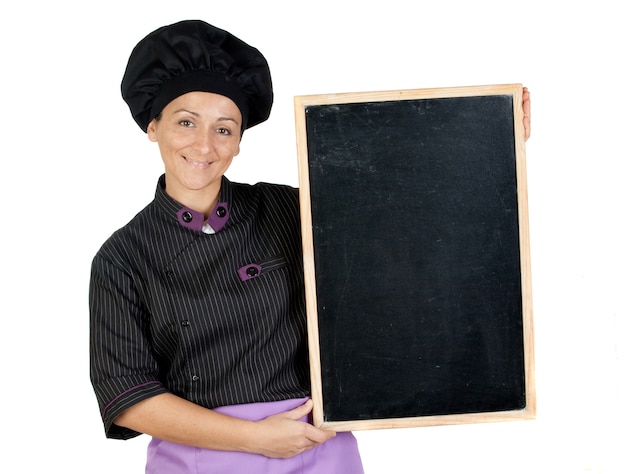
x,y
151,130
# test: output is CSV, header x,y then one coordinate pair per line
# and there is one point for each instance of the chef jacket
x,y
217,319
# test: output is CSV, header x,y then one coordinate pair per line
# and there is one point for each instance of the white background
x,y
75,167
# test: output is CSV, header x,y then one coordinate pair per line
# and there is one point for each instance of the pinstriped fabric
x,y
169,311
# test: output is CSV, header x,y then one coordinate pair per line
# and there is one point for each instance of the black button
x,y
187,217
195,378
184,323
252,271
220,211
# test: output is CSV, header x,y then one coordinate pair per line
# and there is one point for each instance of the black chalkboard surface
x,y
416,256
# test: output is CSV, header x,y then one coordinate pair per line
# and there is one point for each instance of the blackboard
x,y
416,255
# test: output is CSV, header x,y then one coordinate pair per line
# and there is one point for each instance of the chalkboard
x,y
416,256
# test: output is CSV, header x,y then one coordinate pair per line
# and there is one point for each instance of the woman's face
x,y
198,134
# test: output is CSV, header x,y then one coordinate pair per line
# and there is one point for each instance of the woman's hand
x,y
285,435
526,109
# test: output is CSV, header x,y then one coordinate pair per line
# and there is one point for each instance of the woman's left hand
x,y
526,109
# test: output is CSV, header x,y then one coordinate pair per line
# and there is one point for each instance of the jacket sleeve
x,y
123,369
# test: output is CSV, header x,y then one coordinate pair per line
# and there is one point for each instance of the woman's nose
x,y
204,141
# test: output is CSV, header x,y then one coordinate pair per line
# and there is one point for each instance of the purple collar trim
x,y
195,220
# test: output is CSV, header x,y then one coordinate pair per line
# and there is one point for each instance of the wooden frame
x,y
420,99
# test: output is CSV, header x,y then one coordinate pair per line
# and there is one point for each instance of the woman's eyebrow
x,y
230,119
196,114
187,111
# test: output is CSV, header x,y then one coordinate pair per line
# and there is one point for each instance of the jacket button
x,y
220,211
184,323
187,217
252,271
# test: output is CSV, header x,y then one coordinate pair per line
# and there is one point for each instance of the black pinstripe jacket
x,y
215,318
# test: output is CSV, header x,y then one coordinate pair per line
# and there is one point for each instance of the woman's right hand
x,y
285,435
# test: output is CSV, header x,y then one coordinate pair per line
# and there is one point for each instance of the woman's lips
x,y
198,164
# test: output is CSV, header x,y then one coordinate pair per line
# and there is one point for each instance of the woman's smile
x,y
197,163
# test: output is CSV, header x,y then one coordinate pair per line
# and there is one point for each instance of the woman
x,y
197,312
198,330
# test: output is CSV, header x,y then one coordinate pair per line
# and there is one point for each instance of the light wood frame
x,y
301,103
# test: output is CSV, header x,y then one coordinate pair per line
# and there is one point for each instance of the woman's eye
x,y
223,131
186,123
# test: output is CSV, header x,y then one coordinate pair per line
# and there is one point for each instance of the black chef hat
x,y
195,56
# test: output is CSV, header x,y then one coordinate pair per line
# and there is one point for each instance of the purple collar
x,y
195,220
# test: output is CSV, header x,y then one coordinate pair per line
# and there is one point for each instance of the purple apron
x,y
339,455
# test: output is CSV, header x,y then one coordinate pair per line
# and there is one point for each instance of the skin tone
x,y
198,135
